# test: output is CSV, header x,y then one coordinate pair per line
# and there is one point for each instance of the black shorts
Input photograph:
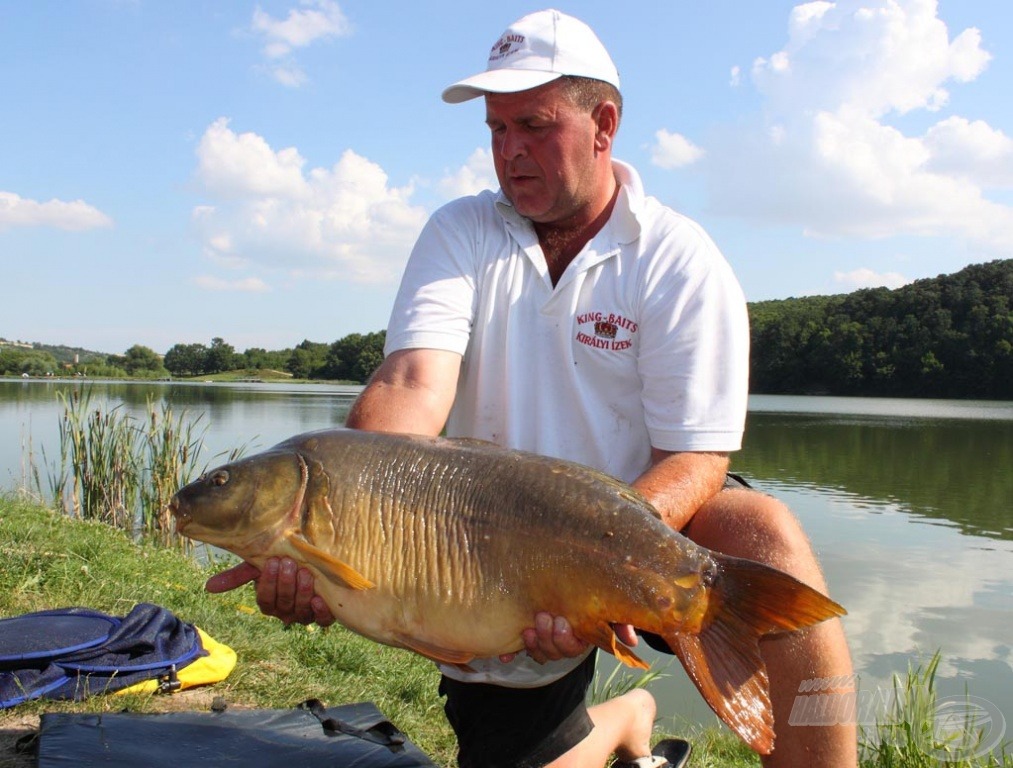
x,y
500,727
734,481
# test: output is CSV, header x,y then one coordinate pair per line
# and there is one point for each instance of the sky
x,y
171,172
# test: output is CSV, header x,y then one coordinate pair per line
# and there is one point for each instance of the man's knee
x,y
753,525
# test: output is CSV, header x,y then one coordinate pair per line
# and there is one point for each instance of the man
x,y
571,315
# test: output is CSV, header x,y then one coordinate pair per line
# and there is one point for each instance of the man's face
x,y
544,152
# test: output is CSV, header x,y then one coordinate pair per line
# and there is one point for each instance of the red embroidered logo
x,y
505,46
609,331
605,330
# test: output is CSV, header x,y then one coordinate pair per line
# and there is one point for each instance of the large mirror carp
x,y
449,547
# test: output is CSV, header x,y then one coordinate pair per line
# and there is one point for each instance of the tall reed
x,y
120,472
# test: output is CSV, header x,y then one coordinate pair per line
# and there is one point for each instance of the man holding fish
x,y
571,315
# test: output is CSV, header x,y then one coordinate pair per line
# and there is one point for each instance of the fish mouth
x,y
181,518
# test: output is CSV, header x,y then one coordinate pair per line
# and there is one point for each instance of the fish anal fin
x,y
602,635
340,573
438,653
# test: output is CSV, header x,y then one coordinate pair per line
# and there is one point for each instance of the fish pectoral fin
x,y
340,573
602,635
436,652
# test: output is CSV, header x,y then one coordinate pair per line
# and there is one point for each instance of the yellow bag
x,y
204,670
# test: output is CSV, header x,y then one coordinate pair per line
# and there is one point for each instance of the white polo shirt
x,y
643,342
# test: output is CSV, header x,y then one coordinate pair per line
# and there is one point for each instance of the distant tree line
x,y
352,358
950,336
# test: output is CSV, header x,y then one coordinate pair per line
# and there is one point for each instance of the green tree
x,y
141,361
258,358
186,359
15,361
354,357
220,357
307,360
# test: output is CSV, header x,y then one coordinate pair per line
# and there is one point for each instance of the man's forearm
x,y
678,484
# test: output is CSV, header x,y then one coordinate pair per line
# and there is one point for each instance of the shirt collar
x,y
625,220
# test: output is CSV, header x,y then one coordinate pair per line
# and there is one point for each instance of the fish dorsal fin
x,y
340,573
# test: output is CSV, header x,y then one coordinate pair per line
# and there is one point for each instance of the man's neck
x,y
562,242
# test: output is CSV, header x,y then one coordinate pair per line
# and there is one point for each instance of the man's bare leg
x,y
622,726
758,527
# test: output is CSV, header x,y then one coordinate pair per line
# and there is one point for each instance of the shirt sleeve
x,y
694,356
435,304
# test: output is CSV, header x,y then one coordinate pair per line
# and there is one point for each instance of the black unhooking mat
x,y
310,735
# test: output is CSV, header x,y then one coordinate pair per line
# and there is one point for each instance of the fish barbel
x,y
450,546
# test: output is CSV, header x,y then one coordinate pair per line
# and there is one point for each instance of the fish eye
x,y
220,477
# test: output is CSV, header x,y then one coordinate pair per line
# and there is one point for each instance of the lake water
x,y
909,504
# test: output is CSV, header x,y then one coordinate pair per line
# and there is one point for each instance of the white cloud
x,y
317,20
341,222
74,216
867,278
477,174
244,285
972,150
243,165
877,56
824,155
673,150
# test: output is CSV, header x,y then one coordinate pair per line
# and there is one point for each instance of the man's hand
x,y
552,638
283,590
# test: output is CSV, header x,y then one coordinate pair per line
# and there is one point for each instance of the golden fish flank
x,y
449,547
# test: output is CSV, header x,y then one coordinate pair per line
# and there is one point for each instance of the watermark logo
x,y
965,726
951,728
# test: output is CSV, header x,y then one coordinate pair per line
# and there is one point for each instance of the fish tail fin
x,y
748,600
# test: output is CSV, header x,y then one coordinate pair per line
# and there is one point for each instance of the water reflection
x,y
950,470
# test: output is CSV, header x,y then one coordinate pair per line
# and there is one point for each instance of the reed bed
x,y
117,469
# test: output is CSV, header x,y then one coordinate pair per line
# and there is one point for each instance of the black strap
x,y
384,733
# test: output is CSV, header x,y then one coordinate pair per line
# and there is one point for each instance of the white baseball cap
x,y
536,50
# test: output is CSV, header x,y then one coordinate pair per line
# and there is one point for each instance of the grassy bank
x,y
51,561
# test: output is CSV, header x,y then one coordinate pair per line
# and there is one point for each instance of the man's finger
x,y
276,592
321,612
567,643
627,634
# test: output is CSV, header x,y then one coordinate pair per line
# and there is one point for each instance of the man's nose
x,y
512,145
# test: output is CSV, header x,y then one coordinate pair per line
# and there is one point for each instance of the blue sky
x,y
175,171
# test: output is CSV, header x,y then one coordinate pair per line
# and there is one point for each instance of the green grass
x,y
911,733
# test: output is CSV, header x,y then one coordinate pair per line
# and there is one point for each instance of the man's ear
x,y
606,120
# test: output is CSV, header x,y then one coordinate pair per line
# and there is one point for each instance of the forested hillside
x,y
948,336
